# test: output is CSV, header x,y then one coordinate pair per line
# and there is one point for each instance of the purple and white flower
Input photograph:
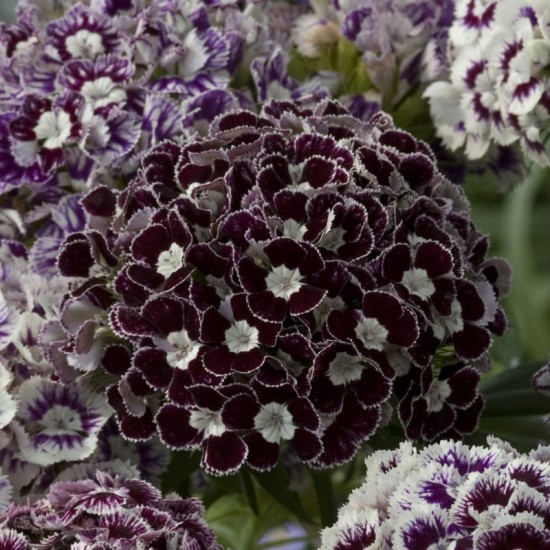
x,y
447,495
62,421
106,511
496,92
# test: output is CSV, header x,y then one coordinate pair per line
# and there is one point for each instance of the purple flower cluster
x,y
272,284
91,90
49,418
104,512
448,495
497,90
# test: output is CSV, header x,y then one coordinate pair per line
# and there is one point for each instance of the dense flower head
x,y
104,511
497,90
448,495
270,286
89,88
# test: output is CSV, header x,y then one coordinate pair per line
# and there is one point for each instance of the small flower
x,y
62,421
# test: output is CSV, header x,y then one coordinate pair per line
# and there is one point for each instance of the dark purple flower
x,y
290,273
281,285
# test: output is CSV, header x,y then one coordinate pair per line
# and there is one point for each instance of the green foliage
x,y
413,115
177,476
518,224
276,483
514,410
343,58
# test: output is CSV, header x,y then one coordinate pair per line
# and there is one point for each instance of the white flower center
x,y
333,240
84,44
344,368
60,417
241,337
436,395
418,282
169,261
207,421
54,128
283,282
371,333
274,422
453,323
292,229
102,91
184,350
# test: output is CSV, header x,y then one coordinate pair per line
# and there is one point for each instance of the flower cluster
x,y
398,44
43,421
95,87
103,511
49,417
498,90
448,496
270,285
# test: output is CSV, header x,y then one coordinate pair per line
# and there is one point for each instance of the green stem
x,y
322,481
529,309
250,491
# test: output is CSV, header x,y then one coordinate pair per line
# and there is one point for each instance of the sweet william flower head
x,y
497,93
107,511
87,89
273,284
448,495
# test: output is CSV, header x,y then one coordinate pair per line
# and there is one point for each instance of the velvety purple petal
x,y
471,342
433,258
262,455
219,361
239,412
305,299
267,307
174,428
224,454
152,364
306,444
397,260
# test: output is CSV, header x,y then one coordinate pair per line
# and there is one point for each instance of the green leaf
x,y
233,522
509,395
250,490
519,402
343,58
523,432
510,379
275,482
182,465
